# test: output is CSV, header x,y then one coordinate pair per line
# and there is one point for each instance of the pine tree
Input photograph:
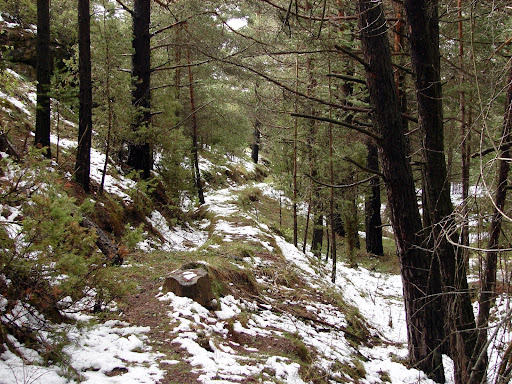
x,y
83,155
42,134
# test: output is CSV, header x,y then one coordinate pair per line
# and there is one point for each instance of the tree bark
x,y
42,134
195,153
415,263
108,69
139,150
423,21
295,140
331,234
317,237
83,155
373,222
465,148
256,141
338,225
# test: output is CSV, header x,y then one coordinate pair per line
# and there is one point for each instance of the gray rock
x,y
192,283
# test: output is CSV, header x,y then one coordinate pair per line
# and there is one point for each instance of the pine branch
x,y
169,27
342,123
350,53
366,169
181,66
347,78
292,91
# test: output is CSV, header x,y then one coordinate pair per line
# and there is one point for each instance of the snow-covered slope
x,y
296,326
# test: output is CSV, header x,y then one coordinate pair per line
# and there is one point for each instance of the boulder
x,y
192,283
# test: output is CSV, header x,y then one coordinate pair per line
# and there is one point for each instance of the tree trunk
x,y
373,222
83,155
316,203
351,221
139,150
42,134
400,50
332,233
422,18
338,225
415,263
295,134
108,69
487,296
195,153
318,234
256,141
465,150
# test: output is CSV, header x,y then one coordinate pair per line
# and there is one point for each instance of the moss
x,y
300,349
384,376
353,369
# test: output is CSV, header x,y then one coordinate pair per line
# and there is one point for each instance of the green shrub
x,y
47,259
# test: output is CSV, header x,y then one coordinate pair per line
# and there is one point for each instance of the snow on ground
x,y
116,185
94,352
99,352
378,297
177,238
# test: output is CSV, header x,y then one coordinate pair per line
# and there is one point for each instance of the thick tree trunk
x,y
42,134
487,296
108,69
295,140
415,264
401,48
422,18
256,141
331,234
83,155
139,150
373,222
195,153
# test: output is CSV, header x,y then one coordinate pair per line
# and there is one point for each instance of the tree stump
x,y
192,283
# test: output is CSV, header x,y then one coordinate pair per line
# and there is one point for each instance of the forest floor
x,y
279,318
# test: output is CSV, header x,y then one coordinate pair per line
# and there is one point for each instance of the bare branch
x,y
125,7
297,15
181,66
342,186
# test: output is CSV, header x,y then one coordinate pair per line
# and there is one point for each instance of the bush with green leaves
x,y
48,260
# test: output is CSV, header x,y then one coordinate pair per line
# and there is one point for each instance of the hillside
x,y
279,319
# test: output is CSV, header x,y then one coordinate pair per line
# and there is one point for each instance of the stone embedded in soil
x,y
192,283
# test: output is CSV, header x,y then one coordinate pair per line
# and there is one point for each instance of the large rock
x,y
193,283
18,44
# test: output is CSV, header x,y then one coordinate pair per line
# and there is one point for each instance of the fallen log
x,y
105,245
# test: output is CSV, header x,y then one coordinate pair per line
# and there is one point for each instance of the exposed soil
x,y
144,309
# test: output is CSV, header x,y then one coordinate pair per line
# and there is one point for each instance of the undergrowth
x,y
49,264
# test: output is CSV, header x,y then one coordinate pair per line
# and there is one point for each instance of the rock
x,y
193,283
